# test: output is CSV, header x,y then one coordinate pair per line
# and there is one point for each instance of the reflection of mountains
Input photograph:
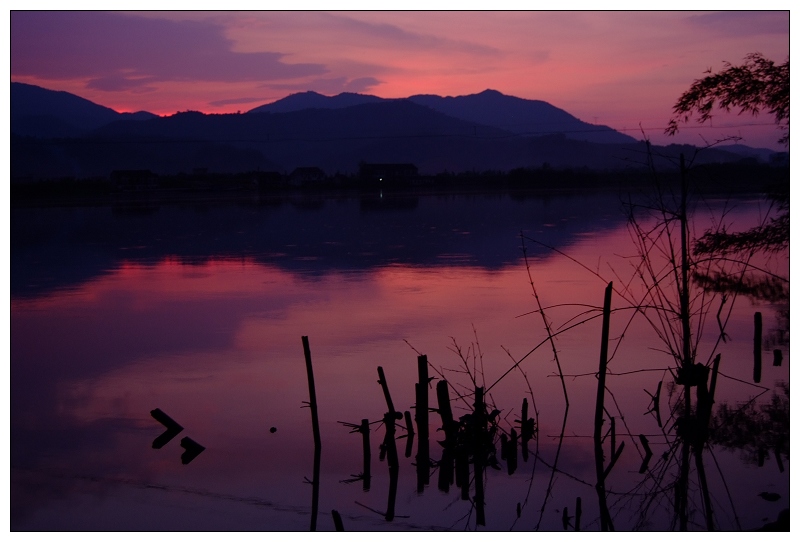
x,y
61,247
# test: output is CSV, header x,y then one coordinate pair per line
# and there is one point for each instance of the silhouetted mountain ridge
x,y
39,112
308,129
490,108
314,100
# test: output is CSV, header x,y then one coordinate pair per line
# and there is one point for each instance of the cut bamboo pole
x,y
337,521
605,516
390,444
423,445
312,403
446,413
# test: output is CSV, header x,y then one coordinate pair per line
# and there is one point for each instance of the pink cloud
x,y
120,52
615,68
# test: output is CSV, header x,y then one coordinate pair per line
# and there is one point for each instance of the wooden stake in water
x,y
312,403
390,444
605,516
446,413
337,520
423,446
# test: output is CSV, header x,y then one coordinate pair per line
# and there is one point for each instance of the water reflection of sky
x,y
215,342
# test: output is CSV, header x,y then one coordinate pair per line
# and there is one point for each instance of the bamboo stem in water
x,y
312,403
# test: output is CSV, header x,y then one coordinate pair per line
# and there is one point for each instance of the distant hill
x,y
39,112
314,100
488,108
520,116
57,134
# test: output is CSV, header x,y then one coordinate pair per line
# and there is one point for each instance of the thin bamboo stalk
x,y
312,403
605,516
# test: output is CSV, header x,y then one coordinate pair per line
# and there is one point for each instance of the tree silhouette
x,y
755,429
756,85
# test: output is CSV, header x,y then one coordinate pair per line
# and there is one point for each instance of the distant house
x,y
387,172
305,175
133,179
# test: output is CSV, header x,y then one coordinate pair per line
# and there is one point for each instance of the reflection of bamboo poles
x,y
605,516
312,403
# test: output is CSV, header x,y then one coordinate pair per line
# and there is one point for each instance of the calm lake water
x,y
198,309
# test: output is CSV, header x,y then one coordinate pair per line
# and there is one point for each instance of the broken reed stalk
x,y
605,516
578,514
312,403
757,349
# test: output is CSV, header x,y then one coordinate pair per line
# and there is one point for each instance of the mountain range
x,y
58,134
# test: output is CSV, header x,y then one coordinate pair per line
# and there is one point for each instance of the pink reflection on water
x,y
216,345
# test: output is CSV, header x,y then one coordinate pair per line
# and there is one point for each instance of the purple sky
x,y
622,69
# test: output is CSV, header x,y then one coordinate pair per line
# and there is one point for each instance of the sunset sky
x,y
622,69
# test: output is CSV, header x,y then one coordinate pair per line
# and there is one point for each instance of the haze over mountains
x,y
57,134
